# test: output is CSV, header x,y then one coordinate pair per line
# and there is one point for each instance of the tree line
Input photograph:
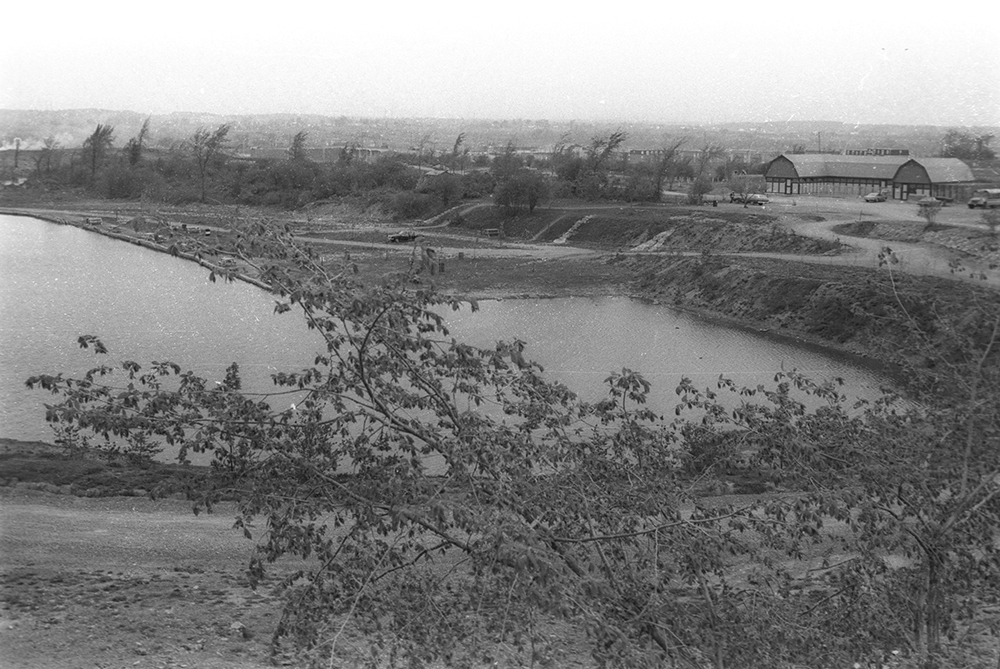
x,y
204,168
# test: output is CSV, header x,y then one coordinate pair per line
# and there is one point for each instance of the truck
x,y
985,198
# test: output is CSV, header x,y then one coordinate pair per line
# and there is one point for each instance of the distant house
x,y
317,155
898,175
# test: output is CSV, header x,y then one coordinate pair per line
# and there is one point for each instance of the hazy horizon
x,y
627,63
609,123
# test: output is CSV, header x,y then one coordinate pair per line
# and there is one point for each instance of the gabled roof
x,y
834,166
946,170
813,165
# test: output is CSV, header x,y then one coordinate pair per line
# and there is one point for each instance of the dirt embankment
x,y
838,306
698,231
973,242
651,228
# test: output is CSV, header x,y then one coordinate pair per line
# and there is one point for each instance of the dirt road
x,y
923,259
126,581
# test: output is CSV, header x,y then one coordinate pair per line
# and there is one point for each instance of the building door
x,y
788,186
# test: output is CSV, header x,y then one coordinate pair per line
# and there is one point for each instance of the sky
x,y
647,61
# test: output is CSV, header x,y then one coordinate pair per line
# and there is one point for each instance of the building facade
x,y
900,176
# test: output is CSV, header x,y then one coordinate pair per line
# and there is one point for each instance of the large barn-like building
x,y
900,176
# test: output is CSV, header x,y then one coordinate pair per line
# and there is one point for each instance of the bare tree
x,y
967,145
667,166
591,174
601,149
206,145
133,148
297,151
706,154
455,160
743,185
507,163
424,141
49,147
96,146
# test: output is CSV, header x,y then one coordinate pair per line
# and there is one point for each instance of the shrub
x,y
409,205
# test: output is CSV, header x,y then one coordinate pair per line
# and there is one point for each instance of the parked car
x,y
749,198
875,197
985,197
402,236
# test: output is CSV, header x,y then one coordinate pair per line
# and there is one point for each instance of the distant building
x,y
877,152
316,155
899,175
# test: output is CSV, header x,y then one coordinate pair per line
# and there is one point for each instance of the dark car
x,y
402,236
875,197
749,198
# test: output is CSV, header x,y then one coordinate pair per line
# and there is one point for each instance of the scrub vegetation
x,y
207,167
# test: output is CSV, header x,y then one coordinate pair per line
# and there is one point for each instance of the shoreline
x,y
145,243
786,335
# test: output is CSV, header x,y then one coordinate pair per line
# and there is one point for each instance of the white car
x,y
875,197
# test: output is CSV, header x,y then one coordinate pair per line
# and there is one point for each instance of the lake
x,y
59,282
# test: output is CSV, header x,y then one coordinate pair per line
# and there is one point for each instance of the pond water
x,y
60,282
580,341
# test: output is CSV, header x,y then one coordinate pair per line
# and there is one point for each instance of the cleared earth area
x,y
126,581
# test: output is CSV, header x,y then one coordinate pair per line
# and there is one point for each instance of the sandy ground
x,y
126,582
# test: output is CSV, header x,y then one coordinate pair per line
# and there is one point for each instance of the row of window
x,y
865,186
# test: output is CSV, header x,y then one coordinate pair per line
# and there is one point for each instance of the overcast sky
x,y
701,62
